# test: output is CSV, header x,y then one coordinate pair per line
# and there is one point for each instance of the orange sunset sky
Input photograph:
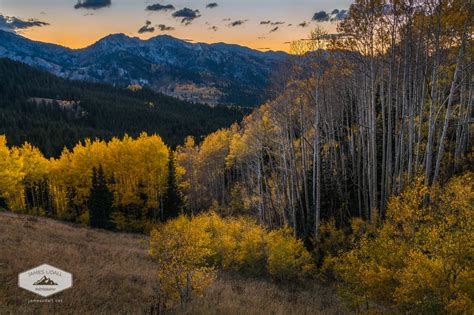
x,y
80,23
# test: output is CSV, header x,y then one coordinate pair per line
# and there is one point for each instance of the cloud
x,y
212,5
271,23
237,23
12,23
160,7
214,28
92,4
303,24
147,28
336,15
321,16
226,20
339,16
163,27
274,29
187,15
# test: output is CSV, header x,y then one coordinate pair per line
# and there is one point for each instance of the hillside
x,y
113,274
219,73
102,111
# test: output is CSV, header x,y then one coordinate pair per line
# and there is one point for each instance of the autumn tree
x,y
420,259
181,250
11,176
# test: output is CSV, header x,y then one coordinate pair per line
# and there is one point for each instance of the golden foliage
x,y
11,175
188,250
287,257
182,250
136,170
420,260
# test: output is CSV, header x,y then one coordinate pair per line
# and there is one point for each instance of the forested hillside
x,y
362,116
102,111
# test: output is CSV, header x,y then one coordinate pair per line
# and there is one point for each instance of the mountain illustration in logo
x,y
45,281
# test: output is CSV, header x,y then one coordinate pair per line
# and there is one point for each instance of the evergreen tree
x,y
3,204
172,201
100,200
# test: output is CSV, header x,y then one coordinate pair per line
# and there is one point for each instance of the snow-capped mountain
x,y
211,73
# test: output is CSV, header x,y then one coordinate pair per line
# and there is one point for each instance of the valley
x,y
53,113
173,176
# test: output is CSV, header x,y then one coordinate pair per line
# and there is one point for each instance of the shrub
x,y
330,240
251,252
181,249
420,259
288,259
188,251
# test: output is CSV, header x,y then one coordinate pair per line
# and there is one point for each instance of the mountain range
x,y
197,72
45,281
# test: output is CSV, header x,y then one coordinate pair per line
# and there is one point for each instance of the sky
x,y
263,24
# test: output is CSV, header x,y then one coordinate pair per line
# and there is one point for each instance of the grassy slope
x,y
113,274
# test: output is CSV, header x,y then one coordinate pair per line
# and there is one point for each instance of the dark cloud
x,y
274,29
303,24
147,28
262,37
214,28
12,23
339,16
237,23
160,7
271,23
164,28
336,15
187,15
212,5
92,4
226,20
321,16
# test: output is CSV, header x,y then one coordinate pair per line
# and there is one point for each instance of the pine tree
x,y
100,200
172,201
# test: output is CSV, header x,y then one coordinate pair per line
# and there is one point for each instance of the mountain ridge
x,y
197,72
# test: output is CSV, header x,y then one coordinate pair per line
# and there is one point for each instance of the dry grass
x,y
113,274
234,295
